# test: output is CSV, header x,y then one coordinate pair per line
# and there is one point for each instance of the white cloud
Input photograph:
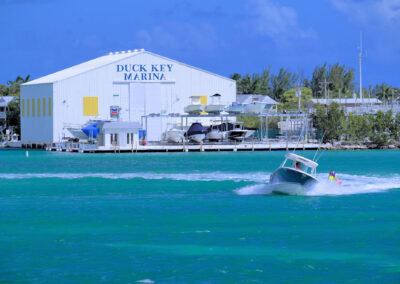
x,y
370,12
278,22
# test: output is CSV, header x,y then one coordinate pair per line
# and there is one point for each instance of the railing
x,y
3,115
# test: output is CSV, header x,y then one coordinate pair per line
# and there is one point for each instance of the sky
x,y
40,37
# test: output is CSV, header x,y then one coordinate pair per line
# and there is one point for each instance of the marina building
x,y
122,86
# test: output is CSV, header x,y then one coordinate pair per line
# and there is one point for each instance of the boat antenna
x,y
301,135
319,145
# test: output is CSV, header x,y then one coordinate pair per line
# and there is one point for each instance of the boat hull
x,y
214,109
214,135
235,109
194,109
291,181
254,108
175,136
198,138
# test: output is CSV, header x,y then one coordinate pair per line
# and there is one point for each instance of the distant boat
x,y
175,135
238,133
195,108
254,108
235,108
215,107
215,133
296,178
196,132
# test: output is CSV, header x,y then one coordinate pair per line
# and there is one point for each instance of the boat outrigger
x,y
296,178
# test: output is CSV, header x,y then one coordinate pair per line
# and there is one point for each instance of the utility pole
x,y
325,83
360,56
298,95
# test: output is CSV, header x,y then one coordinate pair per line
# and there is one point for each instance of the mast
x,y
360,63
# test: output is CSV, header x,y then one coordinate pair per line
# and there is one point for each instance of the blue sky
x,y
44,36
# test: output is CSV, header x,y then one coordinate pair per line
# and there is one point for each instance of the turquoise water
x,y
196,218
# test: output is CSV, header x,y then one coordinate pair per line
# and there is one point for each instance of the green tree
x,y
281,83
319,75
13,115
291,102
335,124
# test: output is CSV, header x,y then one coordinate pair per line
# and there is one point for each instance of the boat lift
x,y
264,119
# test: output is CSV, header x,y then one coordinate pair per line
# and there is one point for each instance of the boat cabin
x,y
300,163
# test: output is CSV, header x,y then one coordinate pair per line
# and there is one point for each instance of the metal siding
x,y
185,82
39,128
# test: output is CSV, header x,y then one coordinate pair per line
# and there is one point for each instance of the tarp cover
x,y
91,130
196,128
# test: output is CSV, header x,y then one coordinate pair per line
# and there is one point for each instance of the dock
x,y
206,147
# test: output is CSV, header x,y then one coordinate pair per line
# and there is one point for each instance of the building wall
x,y
37,122
117,84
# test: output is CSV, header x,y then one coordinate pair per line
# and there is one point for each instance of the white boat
x,y
214,135
254,108
215,107
77,132
196,107
175,135
198,138
295,176
238,133
235,108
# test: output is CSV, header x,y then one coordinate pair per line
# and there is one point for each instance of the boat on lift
x,y
235,108
175,135
295,176
196,132
215,132
215,107
196,107
254,108
237,133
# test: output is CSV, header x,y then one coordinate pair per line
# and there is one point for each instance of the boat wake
x,y
258,177
352,184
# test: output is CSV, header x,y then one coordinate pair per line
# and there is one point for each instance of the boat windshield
x,y
296,162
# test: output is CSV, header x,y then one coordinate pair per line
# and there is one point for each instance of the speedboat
x,y
235,108
238,133
196,132
175,135
196,107
295,176
215,107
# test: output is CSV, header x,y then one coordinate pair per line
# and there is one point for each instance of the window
x,y
114,138
44,106
23,107
129,138
38,107
90,105
2,109
50,107
28,107
33,107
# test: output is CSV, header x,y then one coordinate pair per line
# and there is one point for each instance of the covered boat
x,y
295,176
196,132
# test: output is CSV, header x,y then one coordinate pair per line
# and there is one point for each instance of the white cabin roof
x,y
302,160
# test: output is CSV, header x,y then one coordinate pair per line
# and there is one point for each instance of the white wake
x,y
351,184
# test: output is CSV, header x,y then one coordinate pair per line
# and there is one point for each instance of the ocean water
x,y
196,218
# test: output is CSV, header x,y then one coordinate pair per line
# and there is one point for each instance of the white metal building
x,y
137,82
